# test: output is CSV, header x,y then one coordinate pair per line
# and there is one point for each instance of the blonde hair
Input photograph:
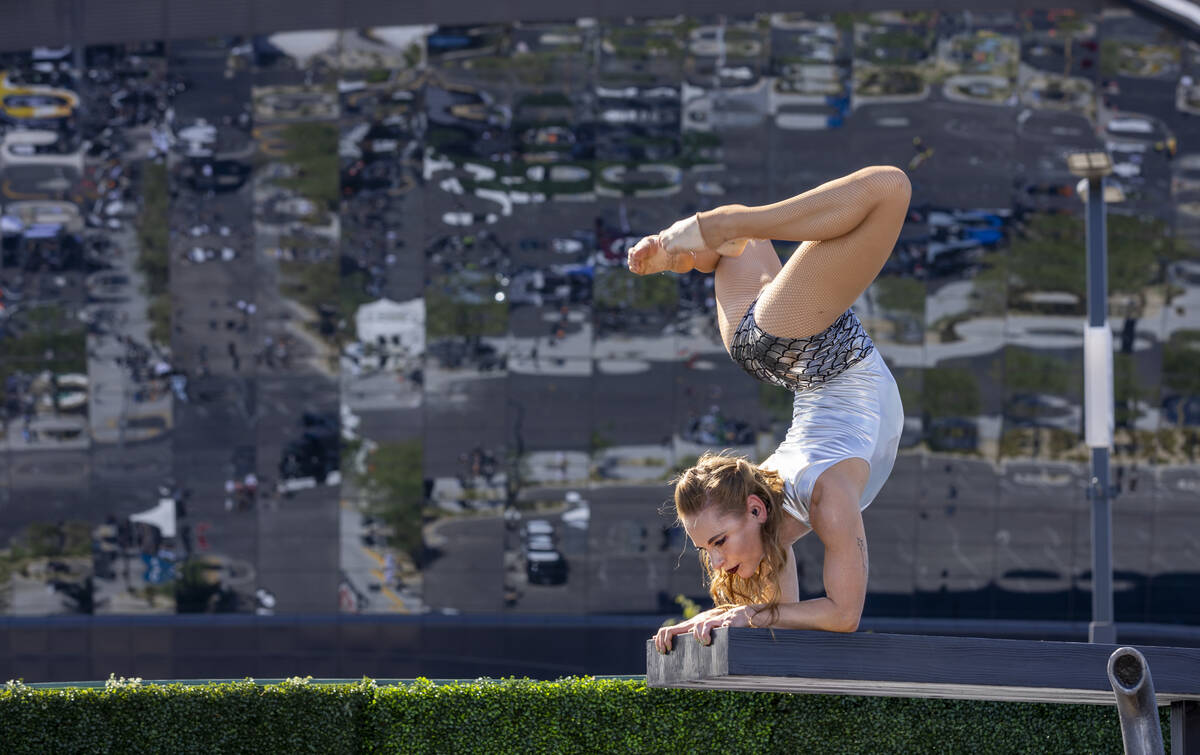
x,y
725,481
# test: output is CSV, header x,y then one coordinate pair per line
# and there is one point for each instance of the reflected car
x,y
1127,157
1131,126
567,246
815,118
578,518
108,285
38,147
363,175
468,218
538,528
456,353
1181,410
1050,189
316,454
716,430
953,434
544,563
216,174
27,105
545,567
1043,410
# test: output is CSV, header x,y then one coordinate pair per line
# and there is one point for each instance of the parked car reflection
x,y
544,563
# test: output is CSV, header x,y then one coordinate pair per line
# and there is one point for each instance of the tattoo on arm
x,y
862,548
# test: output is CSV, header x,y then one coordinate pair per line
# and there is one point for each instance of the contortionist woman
x,y
791,325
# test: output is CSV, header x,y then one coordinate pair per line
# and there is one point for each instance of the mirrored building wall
x,y
338,321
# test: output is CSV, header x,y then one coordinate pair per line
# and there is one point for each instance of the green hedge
x,y
577,715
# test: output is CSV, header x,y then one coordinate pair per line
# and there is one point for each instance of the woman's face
x,y
733,541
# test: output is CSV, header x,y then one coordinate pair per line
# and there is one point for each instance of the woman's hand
x,y
738,616
701,625
663,638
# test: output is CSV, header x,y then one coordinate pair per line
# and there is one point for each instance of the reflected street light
x,y
1092,168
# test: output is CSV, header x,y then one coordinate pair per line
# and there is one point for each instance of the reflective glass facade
x,y
337,321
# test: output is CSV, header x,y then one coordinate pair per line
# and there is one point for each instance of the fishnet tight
x,y
847,227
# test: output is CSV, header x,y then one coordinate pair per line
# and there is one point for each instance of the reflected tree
x,y
1127,390
616,290
1027,371
950,392
447,316
65,548
40,338
152,249
465,291
776,402
199,590
900,294
1181,362
903,299
1070,26
393,487
1050,254
313,149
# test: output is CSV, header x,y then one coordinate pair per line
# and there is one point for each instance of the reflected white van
x,y
37,147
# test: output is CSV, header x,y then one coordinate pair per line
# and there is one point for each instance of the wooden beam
x,y
912,666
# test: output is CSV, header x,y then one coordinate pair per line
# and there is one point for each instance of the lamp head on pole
x,y
1089,164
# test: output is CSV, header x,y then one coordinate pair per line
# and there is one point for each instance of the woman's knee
x,y
893,182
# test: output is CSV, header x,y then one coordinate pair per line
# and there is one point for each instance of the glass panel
x,y
382,356
375,278
214,318
306,311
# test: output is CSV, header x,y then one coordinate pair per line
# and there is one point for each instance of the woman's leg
x,y
739,280
847,228
824,277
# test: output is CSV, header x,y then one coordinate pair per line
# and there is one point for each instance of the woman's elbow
x,y
846,621
845,625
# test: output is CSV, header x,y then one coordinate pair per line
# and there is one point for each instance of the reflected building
x,y
336,322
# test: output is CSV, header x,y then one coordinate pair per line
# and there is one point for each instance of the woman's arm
x,y
835,517
789,581
663,637
838,522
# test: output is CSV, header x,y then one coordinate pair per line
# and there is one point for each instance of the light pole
x,y
1092,167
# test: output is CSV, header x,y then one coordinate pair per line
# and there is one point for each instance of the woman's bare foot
x,y
647,257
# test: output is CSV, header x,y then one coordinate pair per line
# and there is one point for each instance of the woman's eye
x,y
720,542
